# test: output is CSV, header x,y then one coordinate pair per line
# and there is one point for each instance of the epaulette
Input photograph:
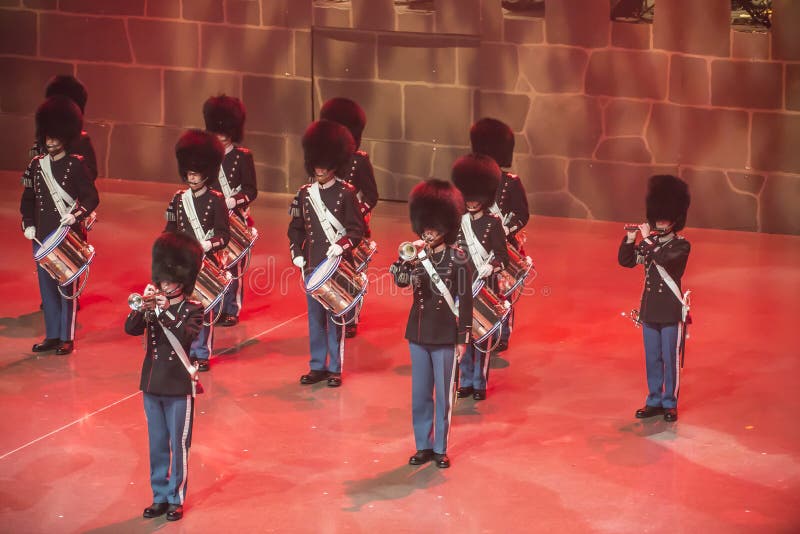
x,y
347,185
216,193
242,149
459,253
179,192
362,153
76,156
512,176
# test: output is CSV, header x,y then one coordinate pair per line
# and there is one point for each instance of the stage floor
x,y
554,448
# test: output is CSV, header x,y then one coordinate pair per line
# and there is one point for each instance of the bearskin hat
x,y
69,86
438,205
327,145
477,176
493,138
225,115
60,118
177,257
347,113
667,200
199,151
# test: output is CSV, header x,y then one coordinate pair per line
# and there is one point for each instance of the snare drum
x,y
488,311
336,285
64,255
363,253
241,241
513,276
212,283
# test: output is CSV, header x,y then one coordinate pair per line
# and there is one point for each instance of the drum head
x,y
51,242
322,273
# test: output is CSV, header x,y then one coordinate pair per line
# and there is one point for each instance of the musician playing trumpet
x,y
664,254
481,235
440,320
170,323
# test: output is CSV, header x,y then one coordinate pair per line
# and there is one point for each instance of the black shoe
x,y
156,509
48,344
313,377
649,411
174,512
464,392
671,415
442,461
480,394
501,347
66,347
334,380
226,319
421,457
203,365
350,330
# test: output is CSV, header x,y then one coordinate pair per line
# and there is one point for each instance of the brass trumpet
x,y
409,250
136,301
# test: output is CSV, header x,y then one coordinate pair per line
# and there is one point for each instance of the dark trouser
x,y
169,430
203,344
432,383
474,367
507,328
663,371
234,299
60,314
325,339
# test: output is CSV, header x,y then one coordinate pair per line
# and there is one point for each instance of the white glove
x,y
506,229
206,244
485,270
299,261
68,220
334,250
230,202
30,232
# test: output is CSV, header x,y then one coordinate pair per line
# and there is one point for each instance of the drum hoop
x,y
477,285
245,250
494,327
516,286
44,250
219,297
356,300
334,266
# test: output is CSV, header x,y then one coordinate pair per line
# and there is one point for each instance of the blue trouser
x,y
234,298
431,394
508,326
663,373
475,366
169,430
60,314
204,342
324,338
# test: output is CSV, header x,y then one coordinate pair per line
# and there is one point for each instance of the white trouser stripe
x,y
184,449
74,304
341,349
678,360
450,391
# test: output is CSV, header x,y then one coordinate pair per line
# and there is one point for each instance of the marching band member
x,y
481,235
224,116
57,192
663,309
170,322
200,212
325,222
495,139
360,173
440,320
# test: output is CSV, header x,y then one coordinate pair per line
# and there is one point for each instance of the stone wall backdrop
x,y
597,105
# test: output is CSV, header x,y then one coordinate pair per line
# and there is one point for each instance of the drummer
x,y
440,320
224,117
202,213
495,139
359,172
482,237
57,192
325,223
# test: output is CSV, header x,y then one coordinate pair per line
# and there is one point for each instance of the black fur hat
x,y
60,118
69,86
667,200
347,113
199,151
225,115
328,145
493,138
177,257
438,205
477,176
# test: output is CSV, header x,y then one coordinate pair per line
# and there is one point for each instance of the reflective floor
x,y
554,447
